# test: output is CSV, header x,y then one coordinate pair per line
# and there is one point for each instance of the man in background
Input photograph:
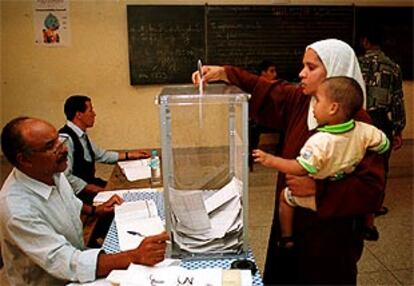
x,y
385,99
82,153
40,228
267,69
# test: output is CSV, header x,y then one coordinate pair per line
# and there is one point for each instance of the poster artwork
x,y
51,22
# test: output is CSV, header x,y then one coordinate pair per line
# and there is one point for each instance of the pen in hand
x,y
135,233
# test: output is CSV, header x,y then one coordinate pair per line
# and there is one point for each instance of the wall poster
x,y
51,23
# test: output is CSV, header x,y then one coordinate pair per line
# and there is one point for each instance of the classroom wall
x,y
36,80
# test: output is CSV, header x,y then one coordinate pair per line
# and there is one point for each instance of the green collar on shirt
x,y
338,128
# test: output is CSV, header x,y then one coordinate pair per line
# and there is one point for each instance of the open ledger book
x,y
136,220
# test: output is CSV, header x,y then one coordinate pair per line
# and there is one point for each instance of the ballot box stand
x,y
204,140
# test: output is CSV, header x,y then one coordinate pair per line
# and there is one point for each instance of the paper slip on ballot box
x,y
204,140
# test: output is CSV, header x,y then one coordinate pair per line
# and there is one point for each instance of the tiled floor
x,y
389,261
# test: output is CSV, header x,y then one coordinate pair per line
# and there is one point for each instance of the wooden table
x,y
118,181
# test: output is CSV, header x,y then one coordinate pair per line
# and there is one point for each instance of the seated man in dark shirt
x,y
82,153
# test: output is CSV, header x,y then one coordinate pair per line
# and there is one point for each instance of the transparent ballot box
x,y
204,142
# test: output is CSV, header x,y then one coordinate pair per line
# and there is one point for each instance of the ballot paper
x,y
176,275
225,194
208,220
190,210
136,220
136,169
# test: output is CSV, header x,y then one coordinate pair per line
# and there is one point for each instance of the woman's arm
x,y
271,101
359,193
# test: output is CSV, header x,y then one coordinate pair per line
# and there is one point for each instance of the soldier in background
x,y
385,99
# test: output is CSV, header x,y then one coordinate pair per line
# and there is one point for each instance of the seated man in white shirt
x,y
40,227
82,154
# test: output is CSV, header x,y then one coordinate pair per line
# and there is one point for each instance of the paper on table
x,y
102,197
237,277
145,226
116,276
135,210
175,275
140,217
97,282
136,169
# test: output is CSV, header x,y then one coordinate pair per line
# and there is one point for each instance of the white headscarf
x,y
339,60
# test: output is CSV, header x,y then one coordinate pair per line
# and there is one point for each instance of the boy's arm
x,y
287,166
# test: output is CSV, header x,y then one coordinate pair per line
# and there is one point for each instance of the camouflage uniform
x,y
385,100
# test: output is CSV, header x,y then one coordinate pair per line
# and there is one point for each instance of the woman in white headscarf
x,y
328,242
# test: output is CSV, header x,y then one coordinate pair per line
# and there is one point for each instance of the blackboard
x,y
165,42
245,35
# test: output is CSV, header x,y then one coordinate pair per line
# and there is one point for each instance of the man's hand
x,y
138,154
109,205
301,186
151,250
133,155
92,189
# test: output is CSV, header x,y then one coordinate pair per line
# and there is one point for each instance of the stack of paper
x,y
136,220
136,169
209,220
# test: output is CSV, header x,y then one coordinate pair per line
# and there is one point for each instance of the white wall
x,y
35,80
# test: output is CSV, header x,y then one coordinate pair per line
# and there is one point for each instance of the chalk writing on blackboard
x,y
164,42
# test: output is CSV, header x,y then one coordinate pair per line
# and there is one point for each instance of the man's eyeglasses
x,y
53,147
